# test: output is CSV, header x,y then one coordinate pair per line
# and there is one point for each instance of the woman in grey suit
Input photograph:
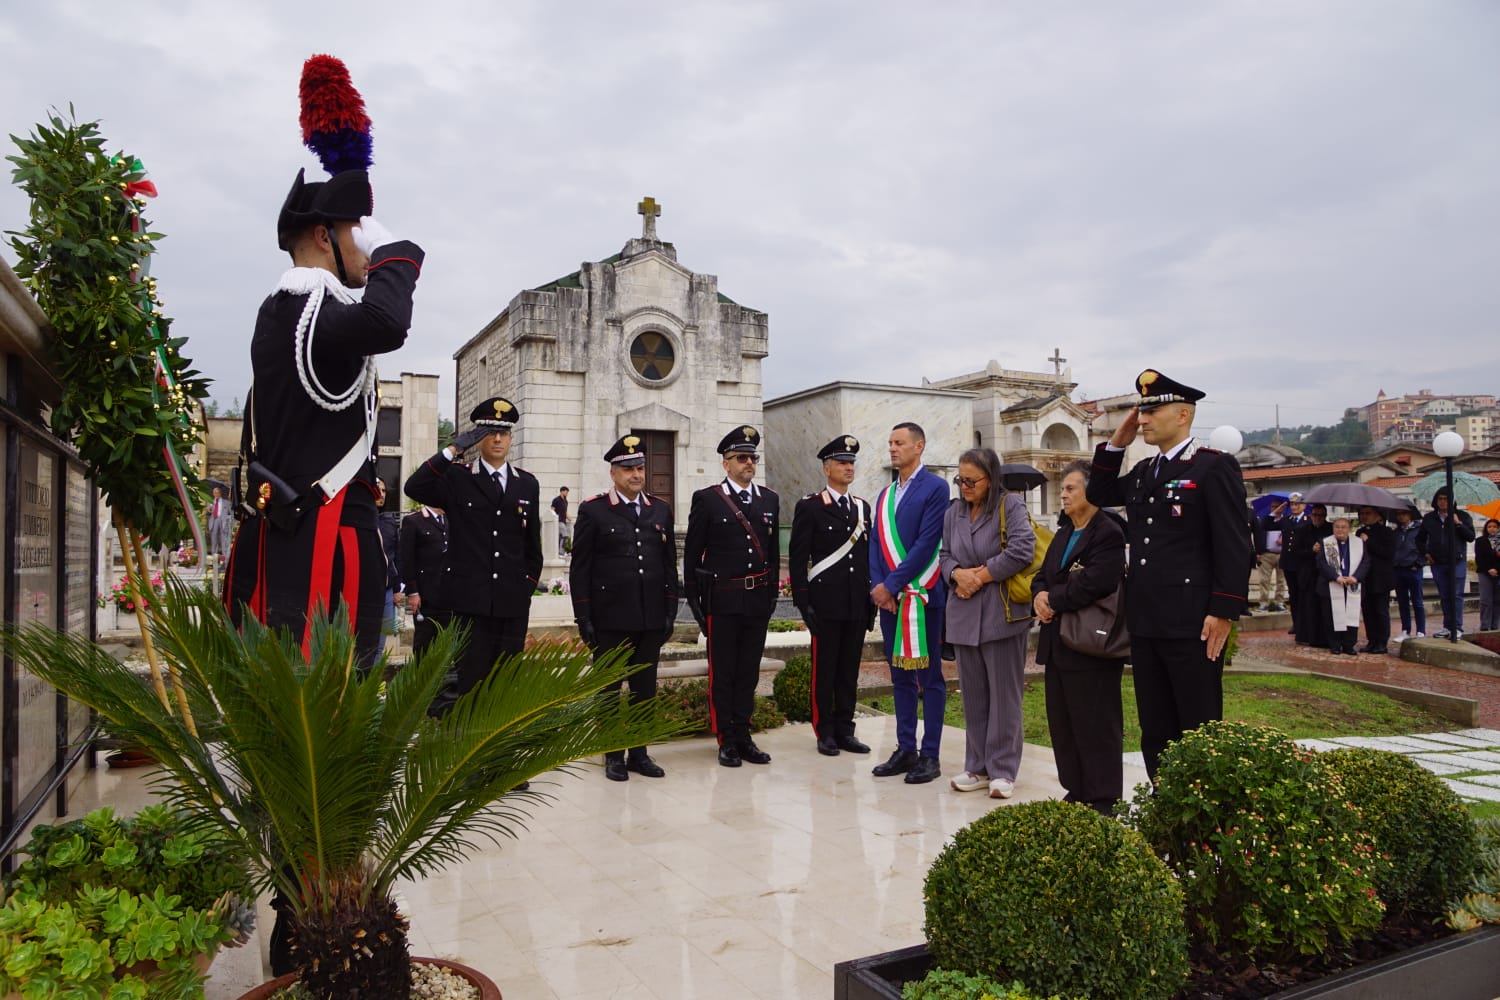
x,y
986,629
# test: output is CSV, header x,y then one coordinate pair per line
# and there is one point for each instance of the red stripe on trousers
x,y
708,639
326,537
814,686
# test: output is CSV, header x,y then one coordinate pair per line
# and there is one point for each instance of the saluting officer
x,y
830,570
730,561
623,579
1188,553
494,542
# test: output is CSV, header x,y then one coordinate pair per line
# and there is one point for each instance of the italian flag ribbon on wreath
x,y
912,646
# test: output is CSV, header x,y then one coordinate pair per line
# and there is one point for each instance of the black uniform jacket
x,y
1380,553
623,576
1092,572
819,528
1189,547
296,438
722,562
424,557
494,542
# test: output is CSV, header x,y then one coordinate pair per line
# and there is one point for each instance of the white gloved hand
x,y
370,235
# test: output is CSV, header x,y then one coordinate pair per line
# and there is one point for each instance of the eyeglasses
x,y
745,458
968,484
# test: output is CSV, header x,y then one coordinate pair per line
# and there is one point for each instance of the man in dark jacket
x,y
1290,518
623,579
1380,580
424,561
1190,555
829,565
1312,630
1445,538
494,542
730,560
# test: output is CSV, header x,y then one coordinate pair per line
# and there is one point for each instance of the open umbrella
x,y
1357,495
1469,490
1487,510
1263,504
1020,476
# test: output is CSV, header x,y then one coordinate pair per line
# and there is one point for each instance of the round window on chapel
x,y
652,356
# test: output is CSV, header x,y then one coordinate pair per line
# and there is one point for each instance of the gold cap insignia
x,y
501,407
631,442
849,442
750,434
1147,377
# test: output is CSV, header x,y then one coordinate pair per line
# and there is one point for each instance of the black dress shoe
x,y
729,756
852,745
754,754
644,765
925,769
614,770
898,763
827,747
1376,650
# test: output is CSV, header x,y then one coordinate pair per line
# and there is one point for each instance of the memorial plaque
x,y
35,601
78,579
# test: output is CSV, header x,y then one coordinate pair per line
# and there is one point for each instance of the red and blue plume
x,y
334,124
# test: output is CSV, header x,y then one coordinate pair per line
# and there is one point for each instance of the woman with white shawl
x,y
1343,565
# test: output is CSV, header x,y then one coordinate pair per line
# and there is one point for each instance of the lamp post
x,y
1449,445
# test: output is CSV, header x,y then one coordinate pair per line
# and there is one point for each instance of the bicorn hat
x,y
626,452
843,448
1157,389
742,439
497,412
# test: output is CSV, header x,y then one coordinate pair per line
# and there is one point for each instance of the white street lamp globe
x,y
1449,444
1228,439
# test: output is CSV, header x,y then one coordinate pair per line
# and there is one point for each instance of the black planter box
x,y
1462,967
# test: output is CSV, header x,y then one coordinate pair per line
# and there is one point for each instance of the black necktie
x,y
744,496
499,483
635,510
844,506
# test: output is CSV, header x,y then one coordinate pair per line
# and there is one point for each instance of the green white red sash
x,y
912,646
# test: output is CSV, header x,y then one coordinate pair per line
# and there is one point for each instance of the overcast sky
x,y
1278,202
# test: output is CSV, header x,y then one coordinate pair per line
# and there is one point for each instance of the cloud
x,y
1279,202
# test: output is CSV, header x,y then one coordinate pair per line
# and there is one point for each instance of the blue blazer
x,y
919,520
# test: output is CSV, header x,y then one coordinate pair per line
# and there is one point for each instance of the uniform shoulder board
x,y
597,496
523,472
1206,450
767,489
809,496
657,498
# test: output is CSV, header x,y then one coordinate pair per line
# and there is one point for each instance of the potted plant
x,y
337,785
110,907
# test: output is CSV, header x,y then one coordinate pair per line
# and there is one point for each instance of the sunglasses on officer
x,y
743,457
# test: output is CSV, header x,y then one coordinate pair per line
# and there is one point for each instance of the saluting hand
x,y
1125,433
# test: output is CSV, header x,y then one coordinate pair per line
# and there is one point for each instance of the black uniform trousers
x,y
1294,598
735,645
836,646
1177,689
1375,608
1314,626
1087,725
645,649
489,639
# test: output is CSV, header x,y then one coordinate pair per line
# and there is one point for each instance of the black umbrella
x,y
1019,476
1358,495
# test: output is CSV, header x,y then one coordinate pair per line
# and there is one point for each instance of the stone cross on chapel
x,y
649,210
1057,362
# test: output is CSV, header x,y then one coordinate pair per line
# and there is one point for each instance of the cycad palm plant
x,y
337,785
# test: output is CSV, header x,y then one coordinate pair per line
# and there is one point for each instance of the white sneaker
x,y
1001,788
1441,633
1420,635
969,782
1402,636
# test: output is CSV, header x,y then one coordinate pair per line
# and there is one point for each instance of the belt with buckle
x,y
750,582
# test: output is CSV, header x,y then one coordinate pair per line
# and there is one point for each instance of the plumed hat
x,y
337,129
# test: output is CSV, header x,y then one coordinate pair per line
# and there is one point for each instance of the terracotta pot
x,y
486,986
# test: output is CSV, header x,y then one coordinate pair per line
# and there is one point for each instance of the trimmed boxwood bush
x,y
1269,854
943,985
686,702
1061,898
792,688
1419,825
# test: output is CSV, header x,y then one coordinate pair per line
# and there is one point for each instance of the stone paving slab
x,y
1438,765
1490,736
1322,746
1483,779
1396,744
1469,790
1463,739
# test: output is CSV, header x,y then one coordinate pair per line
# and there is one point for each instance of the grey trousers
x,y
992,678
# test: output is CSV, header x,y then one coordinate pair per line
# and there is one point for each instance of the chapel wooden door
x,y
660,448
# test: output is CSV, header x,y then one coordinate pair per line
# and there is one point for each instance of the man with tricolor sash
x,y
911,596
